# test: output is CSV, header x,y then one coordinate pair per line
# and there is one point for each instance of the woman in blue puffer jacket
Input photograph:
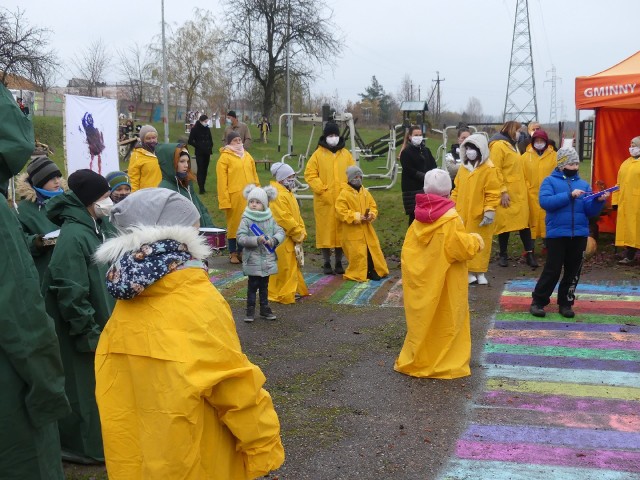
x,y
562,197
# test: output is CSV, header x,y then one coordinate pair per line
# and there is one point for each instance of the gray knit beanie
x,y
353,172
154,207
567,156
41,170
147,129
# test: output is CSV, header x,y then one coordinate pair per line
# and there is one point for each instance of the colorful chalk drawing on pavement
x,y
326,288
562,396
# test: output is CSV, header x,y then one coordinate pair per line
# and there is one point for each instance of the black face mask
x,y
569,173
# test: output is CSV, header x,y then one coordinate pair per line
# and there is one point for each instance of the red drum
x,y
216,237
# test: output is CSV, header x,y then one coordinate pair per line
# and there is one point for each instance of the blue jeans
x,y
234,246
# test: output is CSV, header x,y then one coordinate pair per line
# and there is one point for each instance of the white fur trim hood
x,y
115,248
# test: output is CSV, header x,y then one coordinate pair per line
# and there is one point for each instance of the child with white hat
x,y
259,235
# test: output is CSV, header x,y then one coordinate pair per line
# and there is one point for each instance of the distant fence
x,y
51,105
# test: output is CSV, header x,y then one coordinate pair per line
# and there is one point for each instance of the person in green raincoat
x,y
175,164
32,396
42,181
75,293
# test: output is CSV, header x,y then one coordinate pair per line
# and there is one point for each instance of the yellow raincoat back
x,y
536,169
289,280
508,163
358,236
144,170
177,397
628,201
434,285
326,173
233,174
477,191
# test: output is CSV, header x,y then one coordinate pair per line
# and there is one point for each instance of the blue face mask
x,y
47,193
182,175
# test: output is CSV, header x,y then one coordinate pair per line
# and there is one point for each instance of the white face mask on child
x,y
333,140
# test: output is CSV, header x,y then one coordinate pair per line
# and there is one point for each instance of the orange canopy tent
x,y
614,94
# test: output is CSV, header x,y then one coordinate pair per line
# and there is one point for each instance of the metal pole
x,y
165,90
290,118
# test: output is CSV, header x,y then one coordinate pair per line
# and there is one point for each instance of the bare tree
x,y
265,30
136,67
91,65
23,49
473,110
405,94
45,79
191,54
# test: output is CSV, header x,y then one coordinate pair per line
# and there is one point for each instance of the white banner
x,y
91,134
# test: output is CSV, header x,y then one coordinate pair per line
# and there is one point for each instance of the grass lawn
x,y
390,225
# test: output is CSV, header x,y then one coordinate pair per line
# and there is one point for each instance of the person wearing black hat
x,y
235,125
32,396
200,139
326,173
41,182
76,298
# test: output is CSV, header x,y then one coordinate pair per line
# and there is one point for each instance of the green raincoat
x,y
33,218
32,395
164,152
75,293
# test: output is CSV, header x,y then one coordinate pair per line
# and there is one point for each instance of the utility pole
x,y
289,118
438,80
520,103
553,113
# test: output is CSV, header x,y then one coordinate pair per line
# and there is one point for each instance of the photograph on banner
x,y
91,134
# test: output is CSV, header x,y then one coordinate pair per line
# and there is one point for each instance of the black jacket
x,y
415,161
200,138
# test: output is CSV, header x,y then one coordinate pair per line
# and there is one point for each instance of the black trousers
x,y
525,237
261,285
562,253
412,217
202,160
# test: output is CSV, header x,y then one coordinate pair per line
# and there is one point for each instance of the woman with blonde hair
x,y
512,214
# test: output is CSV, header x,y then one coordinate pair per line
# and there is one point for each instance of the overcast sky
x,y
467,41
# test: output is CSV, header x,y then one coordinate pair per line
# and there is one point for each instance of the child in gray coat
x,y
259,235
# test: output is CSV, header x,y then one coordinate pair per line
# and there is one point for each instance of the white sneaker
x,y
472,278
482,280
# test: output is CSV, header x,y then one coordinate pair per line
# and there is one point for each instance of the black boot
x,y
566,311
531,259
338,268
266,313
326,268
536,310
251,312
503,260
373,275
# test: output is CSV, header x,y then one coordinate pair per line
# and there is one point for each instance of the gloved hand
x,y
272,242
488,218
480,240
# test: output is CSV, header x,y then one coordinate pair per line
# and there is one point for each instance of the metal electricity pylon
x,y
520,103
553,114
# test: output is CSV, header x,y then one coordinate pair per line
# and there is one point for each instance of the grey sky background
x,y
467,41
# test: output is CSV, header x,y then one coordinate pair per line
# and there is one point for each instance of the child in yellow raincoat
x,y
356,210
539,161
477,194
235,170
434,284
289,280
177,397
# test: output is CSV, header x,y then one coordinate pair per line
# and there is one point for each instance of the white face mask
x,y
634,151
103,207
417,140
333,140
471,154
539,145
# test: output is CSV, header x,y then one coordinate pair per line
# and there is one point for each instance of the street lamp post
x,y
165,92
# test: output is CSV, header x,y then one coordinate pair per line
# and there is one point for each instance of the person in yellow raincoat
x,y
477,195
627,202
144,170
177,397
539,161
289,280
325,174
512,213
356,210
235,170
434,284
